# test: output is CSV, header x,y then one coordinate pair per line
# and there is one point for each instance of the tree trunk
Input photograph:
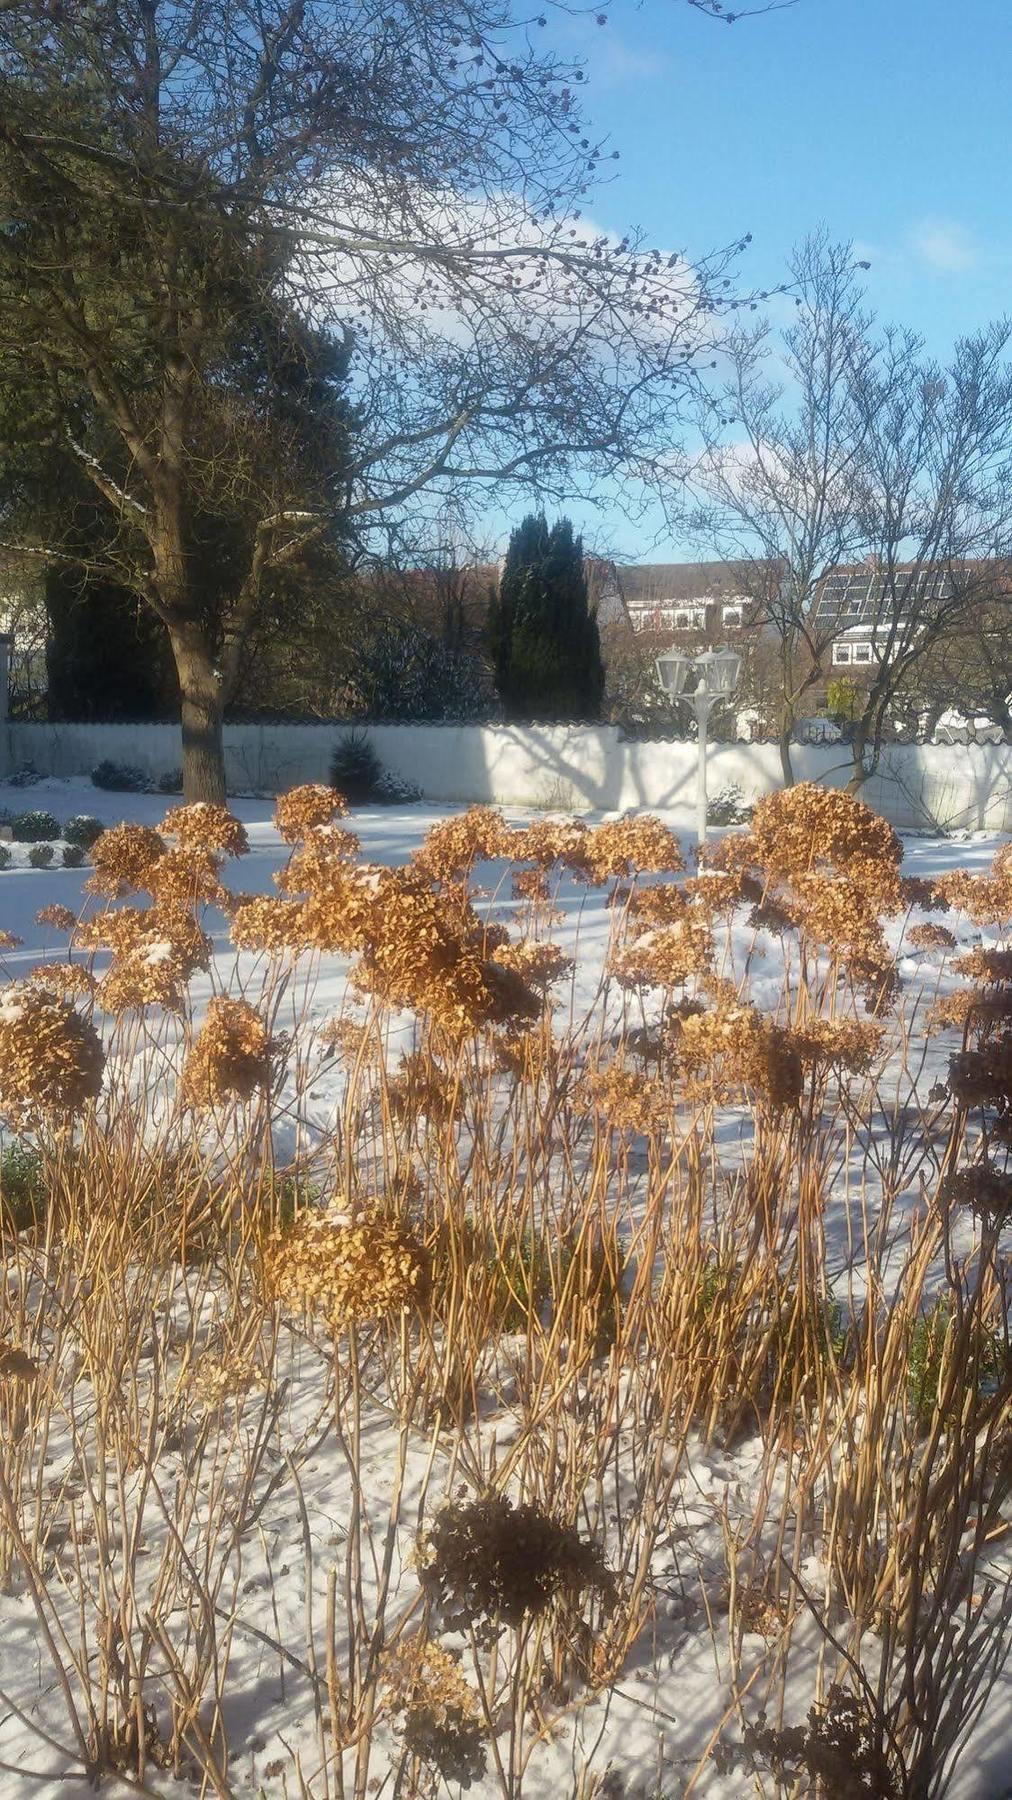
x,y
201,710
784,743
858,745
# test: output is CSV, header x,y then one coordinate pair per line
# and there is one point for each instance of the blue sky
x,y
885,120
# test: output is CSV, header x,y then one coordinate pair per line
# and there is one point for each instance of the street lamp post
x,y
716,677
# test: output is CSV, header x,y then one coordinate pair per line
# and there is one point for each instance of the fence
x,y
579,767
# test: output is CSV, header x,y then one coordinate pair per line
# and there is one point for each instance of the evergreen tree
x,y
545,645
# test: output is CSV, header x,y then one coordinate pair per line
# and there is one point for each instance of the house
x,y
710,601
867,613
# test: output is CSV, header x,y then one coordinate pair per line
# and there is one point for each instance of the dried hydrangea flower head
x,y
666,958
547,842
806,827
208,828
232,1058
621,1098
451,847
985,899
322,856
260,922
490,1560
51,1059
69,979
852,1045
638,843
304,808
61,918
739,1048
8,941
188,877
123,858
538,964
930,937
440,1717
346,1264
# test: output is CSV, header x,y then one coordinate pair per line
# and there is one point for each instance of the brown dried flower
x,y
930,937
346,1264
260,922
666,958
51,1059
453,846
123,857
638,842
232,1057
207,828
302,809
60,917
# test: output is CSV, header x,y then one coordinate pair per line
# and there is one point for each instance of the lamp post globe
x,y
715,674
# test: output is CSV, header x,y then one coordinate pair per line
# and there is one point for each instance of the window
x,y
689,618
730,615
862,653
841,654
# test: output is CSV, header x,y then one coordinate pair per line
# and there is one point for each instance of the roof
x,y
645,584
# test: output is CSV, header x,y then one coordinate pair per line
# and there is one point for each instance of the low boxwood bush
x,y
73,856
171,782
120,778
5,857
34,827
82,829
41,855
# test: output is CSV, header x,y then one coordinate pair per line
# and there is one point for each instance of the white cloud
x,y
944,246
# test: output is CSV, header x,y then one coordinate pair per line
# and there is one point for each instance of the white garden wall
x,y
566,767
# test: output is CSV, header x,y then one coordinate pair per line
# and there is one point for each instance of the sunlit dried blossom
x,y
189,877
639,842
984,965
660,903
302,809
621,1098
550,841
260,922
835,912
772,914
953,1011
985,899
537,964
421,1087
324,855
531,884
60,917
123,858
51,1059
850,1044
346,1264
983,1077
439,1714
451,847
930,937
714,894
151,974
351,1039
805,827
8,941
219,1375
204,827
527,1056
232,1057
69,979
738,1047
667,957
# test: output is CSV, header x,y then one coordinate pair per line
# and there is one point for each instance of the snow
x,y
656,1723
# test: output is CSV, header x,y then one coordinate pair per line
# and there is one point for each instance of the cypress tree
x,y
543,634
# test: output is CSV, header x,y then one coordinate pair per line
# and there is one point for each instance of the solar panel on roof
x,y
857,598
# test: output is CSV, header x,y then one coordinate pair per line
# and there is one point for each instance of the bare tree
x,y
779,490
179,176
933,507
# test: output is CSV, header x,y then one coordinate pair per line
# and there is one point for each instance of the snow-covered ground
x,y
655,1725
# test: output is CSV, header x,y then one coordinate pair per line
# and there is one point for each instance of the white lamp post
x,y
716,677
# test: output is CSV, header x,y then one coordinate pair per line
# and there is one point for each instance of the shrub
x,y
171,782
120,778
83,829
729,807
355,768
26,776
73,856
41,855
34,827
5,857
396,790
22,1190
